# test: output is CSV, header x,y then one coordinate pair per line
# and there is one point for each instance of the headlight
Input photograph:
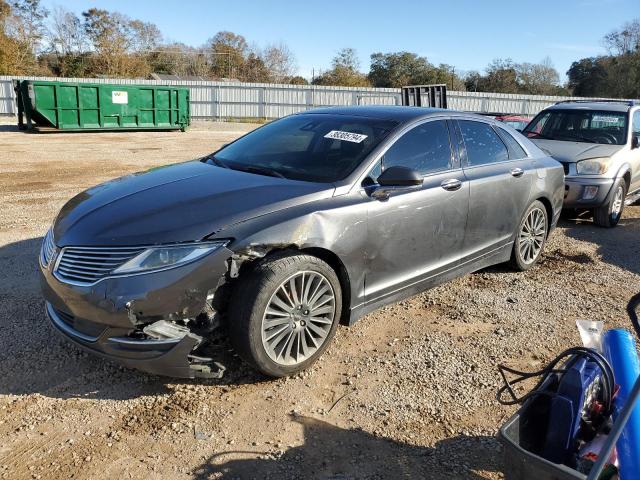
x,y
160,258
594,166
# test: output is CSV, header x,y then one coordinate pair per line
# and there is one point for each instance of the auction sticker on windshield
x,y
607,118
346,136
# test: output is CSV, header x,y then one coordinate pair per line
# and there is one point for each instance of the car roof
x,y
621,106
396,113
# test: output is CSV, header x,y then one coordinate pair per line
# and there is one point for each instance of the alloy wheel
x,y
618,199
532,235
298,318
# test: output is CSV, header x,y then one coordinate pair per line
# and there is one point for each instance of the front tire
x,y
284,313
530,237
609,214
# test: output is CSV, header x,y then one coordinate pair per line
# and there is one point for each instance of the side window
x,y
515,149
636,123
425,148
482,144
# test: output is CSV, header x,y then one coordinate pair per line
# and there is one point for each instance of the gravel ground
x,y
408,392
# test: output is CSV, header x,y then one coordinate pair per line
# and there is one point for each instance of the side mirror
x,y
396,179
635,141
400,177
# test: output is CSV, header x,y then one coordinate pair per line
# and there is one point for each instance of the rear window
x,y
587,126
310,147
515,149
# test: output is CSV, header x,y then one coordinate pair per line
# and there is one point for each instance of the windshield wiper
x,y
216,161
585,139
578,138
259,170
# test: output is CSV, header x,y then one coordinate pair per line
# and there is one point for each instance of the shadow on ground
x,y
34,358
617,246
330,452
8,128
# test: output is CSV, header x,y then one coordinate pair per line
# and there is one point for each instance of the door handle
x,y
451,184
517,172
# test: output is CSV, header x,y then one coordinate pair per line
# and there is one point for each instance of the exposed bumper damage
x,y
161,356
159,322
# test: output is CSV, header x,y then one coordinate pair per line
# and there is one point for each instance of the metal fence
x,y
225,100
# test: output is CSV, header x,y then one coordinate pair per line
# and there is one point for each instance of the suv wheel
x,y
530,238
284,313
608,215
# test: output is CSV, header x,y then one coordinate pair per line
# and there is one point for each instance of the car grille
x,y
48,249
89,264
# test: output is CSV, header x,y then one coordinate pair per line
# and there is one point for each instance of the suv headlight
x,y
593,166
168,256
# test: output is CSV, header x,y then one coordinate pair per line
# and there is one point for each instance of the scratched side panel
x,y
337,224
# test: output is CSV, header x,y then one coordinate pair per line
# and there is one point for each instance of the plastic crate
x,y
522,437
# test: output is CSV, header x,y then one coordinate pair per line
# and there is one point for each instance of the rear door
x,y
500,176
635,153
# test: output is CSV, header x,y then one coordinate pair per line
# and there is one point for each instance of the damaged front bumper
x,y
169,357
142,321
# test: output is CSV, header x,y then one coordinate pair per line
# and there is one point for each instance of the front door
x,y
415,235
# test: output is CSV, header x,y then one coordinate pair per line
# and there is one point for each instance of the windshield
x,y
589,126
517,124
310,147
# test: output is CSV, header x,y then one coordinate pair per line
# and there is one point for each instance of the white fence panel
x,y
215,100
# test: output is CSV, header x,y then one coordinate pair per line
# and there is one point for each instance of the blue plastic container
x,y
620,350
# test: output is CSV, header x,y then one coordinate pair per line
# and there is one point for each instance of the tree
x,y
298,80
279,62
68,43
344,71
624,41
144,36
614,75
398,69
538,78
9,48
119,43
255,69
29,22
588,77
228,52
21,31
502,76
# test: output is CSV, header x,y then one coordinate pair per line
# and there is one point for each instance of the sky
x,y
464,33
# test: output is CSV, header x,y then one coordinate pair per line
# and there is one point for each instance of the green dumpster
x,y
67,106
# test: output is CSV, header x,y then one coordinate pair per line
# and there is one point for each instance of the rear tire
x,y
284,313
609,214
530,238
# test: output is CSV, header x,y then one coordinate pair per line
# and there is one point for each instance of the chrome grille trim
x,y
48,249
88,265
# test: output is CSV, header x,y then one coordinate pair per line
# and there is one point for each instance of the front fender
x,y
337,224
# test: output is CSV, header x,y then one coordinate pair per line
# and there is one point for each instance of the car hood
x,y
571,152
178,203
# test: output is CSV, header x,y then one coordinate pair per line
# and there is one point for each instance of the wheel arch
x,y
549,209
625,172
324,254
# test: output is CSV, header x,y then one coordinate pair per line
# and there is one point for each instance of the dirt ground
x,y
407,392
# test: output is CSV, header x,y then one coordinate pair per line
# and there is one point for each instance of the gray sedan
x,y
306,222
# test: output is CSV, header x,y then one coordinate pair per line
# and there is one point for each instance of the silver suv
x,y
597,142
